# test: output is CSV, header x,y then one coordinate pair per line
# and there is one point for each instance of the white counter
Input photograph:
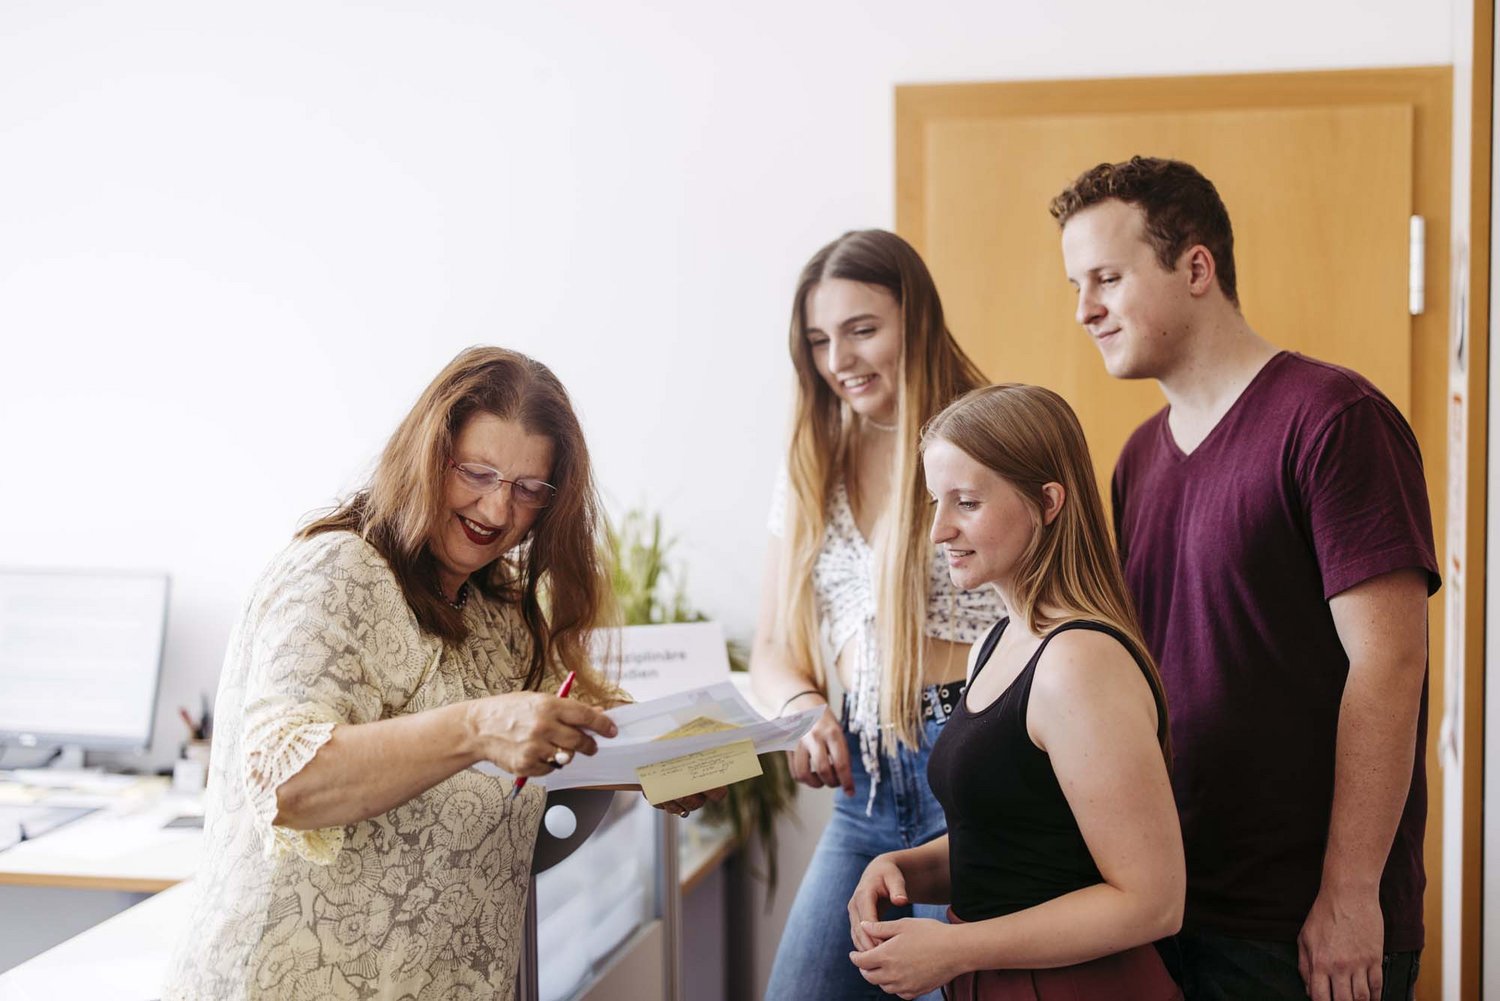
x,y
123,959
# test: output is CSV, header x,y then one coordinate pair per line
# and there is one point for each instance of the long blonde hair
x,y
1030,437
557,577
933,370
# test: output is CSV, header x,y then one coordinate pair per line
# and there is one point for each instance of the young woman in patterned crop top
x,y
1063,858
853,584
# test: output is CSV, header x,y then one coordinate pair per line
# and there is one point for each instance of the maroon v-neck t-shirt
x,y
1310,484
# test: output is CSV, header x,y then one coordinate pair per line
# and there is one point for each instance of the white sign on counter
x,y
650,662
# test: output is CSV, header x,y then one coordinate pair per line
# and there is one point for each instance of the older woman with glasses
x,y
401,638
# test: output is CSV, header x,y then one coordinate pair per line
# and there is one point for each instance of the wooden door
x,y
1321,173
1321,222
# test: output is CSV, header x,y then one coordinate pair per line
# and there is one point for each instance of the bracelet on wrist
x,y
794,698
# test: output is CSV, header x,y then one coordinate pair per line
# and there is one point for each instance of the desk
x,y
82,873
124,958
123,846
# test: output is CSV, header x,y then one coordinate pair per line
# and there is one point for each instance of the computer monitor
x,y
80,657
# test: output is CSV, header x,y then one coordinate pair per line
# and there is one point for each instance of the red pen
x,y
192,727
562,693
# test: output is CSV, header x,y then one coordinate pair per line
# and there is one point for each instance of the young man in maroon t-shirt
x,y
1274,529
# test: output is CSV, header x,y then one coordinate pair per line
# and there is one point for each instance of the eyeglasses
x,y
526,491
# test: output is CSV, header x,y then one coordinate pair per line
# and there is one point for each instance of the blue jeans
x,y
812,960
1219,968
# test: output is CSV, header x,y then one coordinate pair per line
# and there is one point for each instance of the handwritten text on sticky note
x,y
694,773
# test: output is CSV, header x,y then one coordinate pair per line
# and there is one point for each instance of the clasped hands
x,y
908,957
1340,948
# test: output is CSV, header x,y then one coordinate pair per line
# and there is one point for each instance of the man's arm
x,y
1382,624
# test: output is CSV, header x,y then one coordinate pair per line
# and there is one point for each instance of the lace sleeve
x,y
332,645
276,749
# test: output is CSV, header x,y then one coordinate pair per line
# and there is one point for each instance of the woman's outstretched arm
x,y
366,769
821,758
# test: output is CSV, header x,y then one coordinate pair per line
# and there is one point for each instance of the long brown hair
x,y
933,370
1030,437
557,577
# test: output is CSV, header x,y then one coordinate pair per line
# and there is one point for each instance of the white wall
x,y
236,241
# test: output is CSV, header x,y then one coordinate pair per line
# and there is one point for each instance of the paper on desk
x,y
15,793
638,743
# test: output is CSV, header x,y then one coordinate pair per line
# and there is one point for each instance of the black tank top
x,y
1012,840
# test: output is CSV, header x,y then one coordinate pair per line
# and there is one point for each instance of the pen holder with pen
x,y
190,771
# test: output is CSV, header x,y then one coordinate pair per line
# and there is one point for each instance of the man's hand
x,y
1382,625
1341,947
911,957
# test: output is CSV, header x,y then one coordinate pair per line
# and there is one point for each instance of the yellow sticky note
x,y
693,773
693,727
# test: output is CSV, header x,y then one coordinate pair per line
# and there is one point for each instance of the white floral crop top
x,y
844,587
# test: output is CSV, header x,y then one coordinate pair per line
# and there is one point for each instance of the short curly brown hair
x,y
1183,209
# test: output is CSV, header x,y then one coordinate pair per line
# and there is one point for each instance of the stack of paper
x,y
681,744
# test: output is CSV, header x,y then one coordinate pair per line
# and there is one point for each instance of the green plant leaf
x,y
651,591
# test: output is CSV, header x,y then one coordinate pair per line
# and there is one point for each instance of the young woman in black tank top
x,y
1063,858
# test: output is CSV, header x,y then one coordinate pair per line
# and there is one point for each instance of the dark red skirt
x,y
1133,975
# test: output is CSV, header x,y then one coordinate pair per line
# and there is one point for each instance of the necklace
x,y
872,422
462,599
